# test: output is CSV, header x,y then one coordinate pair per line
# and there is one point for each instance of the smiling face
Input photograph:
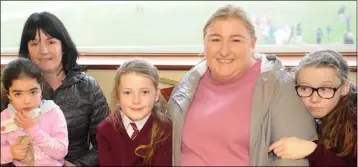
x,y
25,94
46,52
137,95
321,77
228,49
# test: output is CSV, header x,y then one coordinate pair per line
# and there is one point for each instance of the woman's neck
x,y
54,79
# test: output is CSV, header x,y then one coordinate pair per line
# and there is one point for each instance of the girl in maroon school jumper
x,y
324,88
138,131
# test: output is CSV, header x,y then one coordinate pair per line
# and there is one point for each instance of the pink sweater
x,y
48,137
217,126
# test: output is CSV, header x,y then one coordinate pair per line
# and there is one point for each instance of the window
x,y
172,26
169,33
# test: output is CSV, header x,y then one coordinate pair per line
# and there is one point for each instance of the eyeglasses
x,y
323,92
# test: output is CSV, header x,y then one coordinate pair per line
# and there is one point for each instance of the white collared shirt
x,y
126,123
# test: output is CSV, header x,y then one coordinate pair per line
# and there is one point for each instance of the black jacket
x,y
84,106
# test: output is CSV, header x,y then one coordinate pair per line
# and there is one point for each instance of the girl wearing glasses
x,y
324,88
138,130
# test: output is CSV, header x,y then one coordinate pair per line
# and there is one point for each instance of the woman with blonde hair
x,y
230,107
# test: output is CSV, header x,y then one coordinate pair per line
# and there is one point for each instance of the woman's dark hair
x,y
51,26
20,67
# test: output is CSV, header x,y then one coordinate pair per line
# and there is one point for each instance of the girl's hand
x,y
25,122
292,148
18,151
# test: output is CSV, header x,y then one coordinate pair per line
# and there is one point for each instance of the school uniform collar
x,y
126,121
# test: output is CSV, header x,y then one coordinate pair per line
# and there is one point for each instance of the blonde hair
x,y
159,111
230,11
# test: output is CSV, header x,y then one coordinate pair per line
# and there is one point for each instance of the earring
x,y
118,107
156,101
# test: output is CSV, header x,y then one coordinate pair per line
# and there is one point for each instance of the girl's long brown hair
x,y
161,128
338,129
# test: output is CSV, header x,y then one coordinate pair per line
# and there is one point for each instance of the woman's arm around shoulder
x,y
290,117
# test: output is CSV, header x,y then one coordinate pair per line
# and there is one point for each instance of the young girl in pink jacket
x,y
40,123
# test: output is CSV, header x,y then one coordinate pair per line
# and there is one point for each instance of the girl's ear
x,y
8,96
158,93
345,88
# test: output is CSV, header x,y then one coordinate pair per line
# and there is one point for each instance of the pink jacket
x,y
49,137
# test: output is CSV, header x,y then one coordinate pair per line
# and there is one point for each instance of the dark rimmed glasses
x,y
323,92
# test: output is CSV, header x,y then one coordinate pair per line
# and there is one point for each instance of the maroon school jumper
x,y
321,156
115,148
